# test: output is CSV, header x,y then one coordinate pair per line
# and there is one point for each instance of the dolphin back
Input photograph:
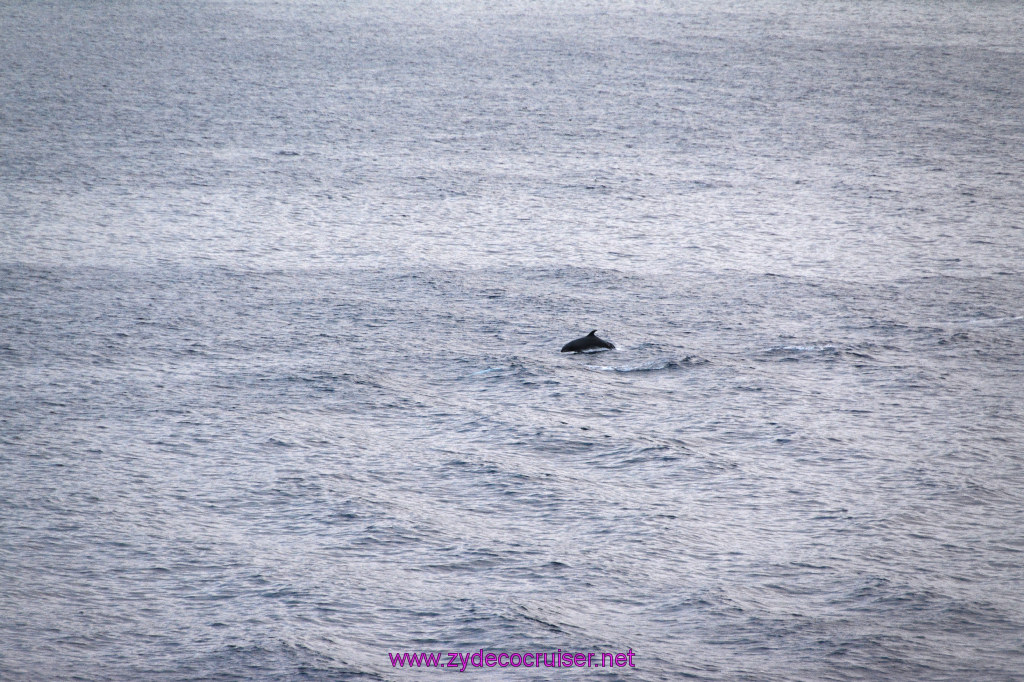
x,y
588,342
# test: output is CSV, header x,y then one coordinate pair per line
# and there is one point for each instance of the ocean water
x,y
283,285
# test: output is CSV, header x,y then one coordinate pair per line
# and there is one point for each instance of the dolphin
x,y
588,342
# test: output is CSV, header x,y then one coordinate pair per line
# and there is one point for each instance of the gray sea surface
x,y
283,287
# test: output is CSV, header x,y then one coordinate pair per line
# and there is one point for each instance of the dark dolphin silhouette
x,y
588,342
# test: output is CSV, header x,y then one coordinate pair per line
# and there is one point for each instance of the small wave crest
x,y
796,352
654,365
512,367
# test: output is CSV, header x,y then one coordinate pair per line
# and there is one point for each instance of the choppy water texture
x,y
283,286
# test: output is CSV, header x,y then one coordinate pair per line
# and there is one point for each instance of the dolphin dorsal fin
x,y
592,333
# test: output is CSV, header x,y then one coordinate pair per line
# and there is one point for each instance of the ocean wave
x,y
654,365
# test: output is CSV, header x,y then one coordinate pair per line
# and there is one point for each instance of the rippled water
x,y
282,288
